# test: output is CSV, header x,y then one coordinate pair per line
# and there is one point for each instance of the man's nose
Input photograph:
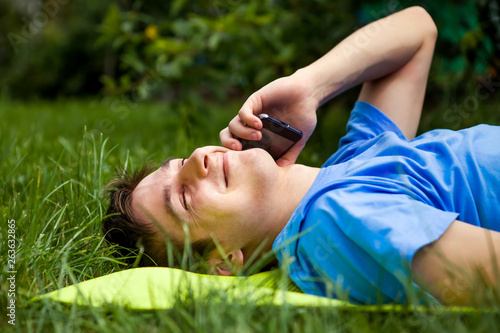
x,y
197,164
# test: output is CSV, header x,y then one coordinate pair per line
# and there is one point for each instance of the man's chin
x,y
259,153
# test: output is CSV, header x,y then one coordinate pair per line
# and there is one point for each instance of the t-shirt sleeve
x,y
360,240
365,123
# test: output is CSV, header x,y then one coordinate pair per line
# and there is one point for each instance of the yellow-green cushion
x,y
160,288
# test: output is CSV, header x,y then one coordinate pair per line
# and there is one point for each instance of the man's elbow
x,y
423,20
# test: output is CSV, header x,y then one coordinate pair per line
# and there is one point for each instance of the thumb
x,y
291,156
283,162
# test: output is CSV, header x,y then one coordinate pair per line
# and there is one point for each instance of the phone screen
x,y
277,137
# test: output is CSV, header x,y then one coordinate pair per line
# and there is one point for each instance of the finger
x,y
228,140
249,111
238,130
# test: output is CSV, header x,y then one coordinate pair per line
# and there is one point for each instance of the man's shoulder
x,y
365,124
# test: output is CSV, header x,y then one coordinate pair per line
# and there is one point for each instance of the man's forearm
x,y
371,52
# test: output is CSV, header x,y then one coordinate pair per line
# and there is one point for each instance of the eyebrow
x,y
167,192
166,164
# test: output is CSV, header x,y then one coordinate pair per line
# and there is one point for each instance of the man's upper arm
x,y
461,265
400,94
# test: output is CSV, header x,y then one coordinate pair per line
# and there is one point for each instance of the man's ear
x,y
236,259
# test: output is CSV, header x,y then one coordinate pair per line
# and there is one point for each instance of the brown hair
x,y
123,228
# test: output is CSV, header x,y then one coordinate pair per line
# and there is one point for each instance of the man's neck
x,y
293,183
296,180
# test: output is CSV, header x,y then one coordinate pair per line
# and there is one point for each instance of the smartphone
x,y
277,137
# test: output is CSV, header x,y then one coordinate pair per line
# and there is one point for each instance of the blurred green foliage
x,y
48,49
216,49
196,50
229,46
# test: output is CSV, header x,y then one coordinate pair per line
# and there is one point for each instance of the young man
x,y
388,218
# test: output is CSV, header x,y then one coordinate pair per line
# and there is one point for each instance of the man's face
x,y
216,192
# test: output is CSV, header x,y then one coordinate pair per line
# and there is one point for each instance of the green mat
x,y
160,288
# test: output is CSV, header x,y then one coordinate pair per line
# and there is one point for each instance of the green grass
x,y
55,162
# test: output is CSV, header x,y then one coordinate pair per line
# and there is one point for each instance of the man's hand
x,y
287,99
392,66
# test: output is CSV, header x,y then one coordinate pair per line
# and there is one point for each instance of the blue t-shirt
x,y
379,199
